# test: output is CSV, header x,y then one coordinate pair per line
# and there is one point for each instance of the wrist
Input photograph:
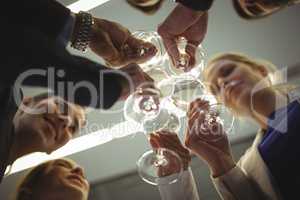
x,y
221,166
125,91
82,31
96,26
75,27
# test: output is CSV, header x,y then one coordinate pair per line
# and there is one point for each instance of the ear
x,y
27,100
262,70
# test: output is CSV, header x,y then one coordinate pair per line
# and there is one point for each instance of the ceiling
x,y
275,38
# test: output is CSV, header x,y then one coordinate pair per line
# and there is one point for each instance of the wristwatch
x,y
82,32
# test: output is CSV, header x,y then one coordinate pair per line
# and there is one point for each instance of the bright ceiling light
x,y
85,5
85,142
77,145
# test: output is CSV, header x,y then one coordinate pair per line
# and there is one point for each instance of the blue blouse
x,y
280,149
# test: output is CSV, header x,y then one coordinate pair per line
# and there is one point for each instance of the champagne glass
x,y
185,91
154,38
142,104
162,81
217,121
186,66
146,107
153,162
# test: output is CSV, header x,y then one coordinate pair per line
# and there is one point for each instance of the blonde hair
x,y
29,184
255,64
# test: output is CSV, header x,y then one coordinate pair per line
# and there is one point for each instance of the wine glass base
x,y
156,164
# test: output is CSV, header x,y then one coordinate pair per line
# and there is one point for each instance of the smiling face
x,y
49,123
232,82
64,180
55,180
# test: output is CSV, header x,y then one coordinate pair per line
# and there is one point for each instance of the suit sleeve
x,y
235,185
48,16
240,184
46,63
200,5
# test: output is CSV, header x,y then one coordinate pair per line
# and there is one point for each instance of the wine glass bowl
x,y
161,81
154,38
185,91
164,121
222,116
214,123
158,74
142,104
186,65
147,108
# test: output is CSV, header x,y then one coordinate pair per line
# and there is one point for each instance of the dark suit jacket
x,y
8,109
48,16
28,38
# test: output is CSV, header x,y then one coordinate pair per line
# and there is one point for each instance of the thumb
x,y
191,49
140,51
153,142
170,44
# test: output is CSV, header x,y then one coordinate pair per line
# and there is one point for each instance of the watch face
x,y
252,9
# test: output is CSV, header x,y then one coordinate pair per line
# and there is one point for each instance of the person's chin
x,y
77,190
242,102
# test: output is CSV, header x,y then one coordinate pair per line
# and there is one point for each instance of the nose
x,y
78,170
221,82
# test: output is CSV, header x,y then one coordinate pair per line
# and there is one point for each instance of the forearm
x,y
38,53
91,85
170,25
221,165
235,185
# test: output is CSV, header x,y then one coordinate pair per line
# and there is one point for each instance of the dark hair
x,y
147,9
240,11
255,13
42,96
28,185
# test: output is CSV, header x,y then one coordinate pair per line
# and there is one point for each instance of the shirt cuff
x,y
66,33
234,185
184,189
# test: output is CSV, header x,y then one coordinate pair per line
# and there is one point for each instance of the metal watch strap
x,y
82,36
